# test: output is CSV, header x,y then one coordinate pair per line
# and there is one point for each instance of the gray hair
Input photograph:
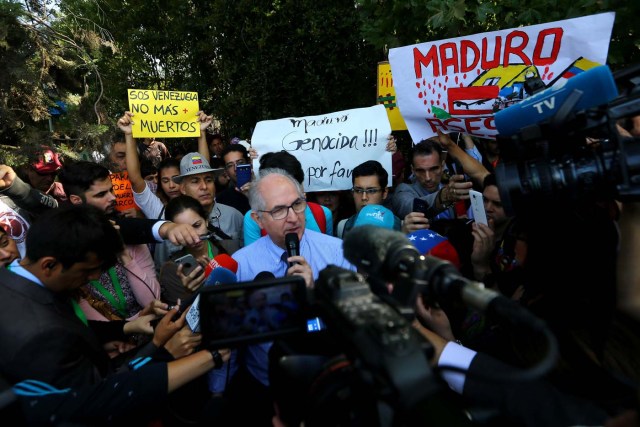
x,y
256,199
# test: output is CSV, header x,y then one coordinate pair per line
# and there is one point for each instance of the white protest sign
x,y
456,85
329,146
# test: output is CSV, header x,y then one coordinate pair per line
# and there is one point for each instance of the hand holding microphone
x,y
292,244
297,268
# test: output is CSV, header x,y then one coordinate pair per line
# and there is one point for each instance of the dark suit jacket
x,y
527,403
134,231
43,339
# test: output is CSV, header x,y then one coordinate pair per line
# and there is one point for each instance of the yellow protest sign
x,y
164,113
387,96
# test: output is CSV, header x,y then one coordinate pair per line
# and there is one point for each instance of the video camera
x,y
368,356
385,355
576,151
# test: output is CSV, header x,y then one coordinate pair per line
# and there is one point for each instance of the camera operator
x,y
564,188
526,403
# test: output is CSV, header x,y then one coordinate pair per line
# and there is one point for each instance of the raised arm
x,y
23,194
205,122
472,167
133,161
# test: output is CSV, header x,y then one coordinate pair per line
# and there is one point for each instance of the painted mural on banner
x,y
456,85
387,96
330,145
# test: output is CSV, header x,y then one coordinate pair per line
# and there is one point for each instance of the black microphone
x,y
264,275
292,244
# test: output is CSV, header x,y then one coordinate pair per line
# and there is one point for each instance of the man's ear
x,y
385,193
257,219
75,199
47,265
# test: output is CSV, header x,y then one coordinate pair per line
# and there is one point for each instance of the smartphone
x,y
189,262
420,205
477,207
243,175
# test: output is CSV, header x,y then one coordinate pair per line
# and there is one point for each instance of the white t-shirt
x,y
149,203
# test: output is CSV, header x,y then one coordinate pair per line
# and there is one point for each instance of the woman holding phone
x,y
177,279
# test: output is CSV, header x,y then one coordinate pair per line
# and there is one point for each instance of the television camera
x,y
574,153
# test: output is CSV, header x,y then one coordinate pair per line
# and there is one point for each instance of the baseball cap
x,y
192,164
47,162
376,215
428,242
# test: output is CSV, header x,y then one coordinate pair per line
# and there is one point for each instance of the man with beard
x,y
33,202
125,289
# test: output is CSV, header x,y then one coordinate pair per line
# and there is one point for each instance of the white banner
x,y
329,146
456,85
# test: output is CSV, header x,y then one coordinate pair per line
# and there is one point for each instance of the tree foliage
x,y
44,62
393,23
248,60
274,59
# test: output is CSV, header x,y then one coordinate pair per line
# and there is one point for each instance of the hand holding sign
x,y
125,123
204,120
164,113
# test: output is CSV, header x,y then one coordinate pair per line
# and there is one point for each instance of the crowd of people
x,y
94,328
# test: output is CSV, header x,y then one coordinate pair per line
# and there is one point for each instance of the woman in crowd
x,y
125,291
175,285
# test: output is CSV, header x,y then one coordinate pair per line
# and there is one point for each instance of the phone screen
x,y
243,174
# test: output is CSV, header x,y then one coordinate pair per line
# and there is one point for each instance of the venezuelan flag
x,y
579,66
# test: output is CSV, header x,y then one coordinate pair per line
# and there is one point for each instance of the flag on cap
x,y
428,242
425,240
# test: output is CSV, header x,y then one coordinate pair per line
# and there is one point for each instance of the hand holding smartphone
x,y
420,205
243,175
477,207
188,262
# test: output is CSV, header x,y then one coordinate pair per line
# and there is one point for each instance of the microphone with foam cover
x,y
372,249
221,260
596,87
220,275
227,262
292,244
264,275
